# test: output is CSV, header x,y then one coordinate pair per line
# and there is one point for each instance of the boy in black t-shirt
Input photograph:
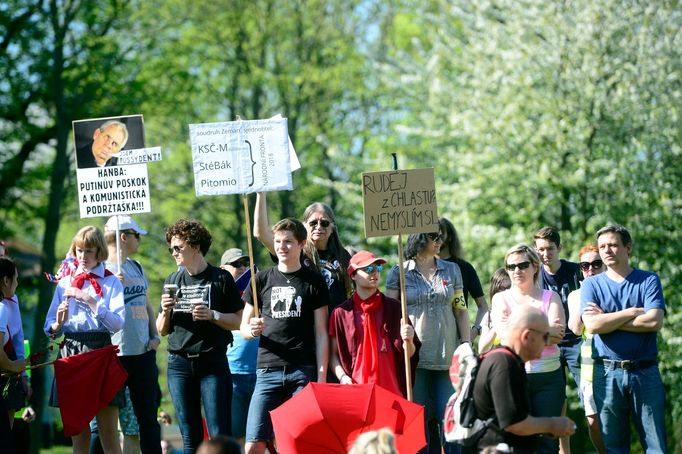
x,y
292,326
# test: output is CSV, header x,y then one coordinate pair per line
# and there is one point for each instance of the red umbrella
x,y
327,418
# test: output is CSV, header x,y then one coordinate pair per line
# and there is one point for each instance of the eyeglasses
x,y
435,236
176,249
521,266
323,223
597,264
243,263
545,335
369,269
133,233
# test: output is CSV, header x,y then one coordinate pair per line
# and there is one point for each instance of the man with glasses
x,y
138,340
624,309
367,332
501,386
107,140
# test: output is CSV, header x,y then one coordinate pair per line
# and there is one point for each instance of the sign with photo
x,y
105,186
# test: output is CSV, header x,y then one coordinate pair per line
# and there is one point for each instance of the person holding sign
x,y
435,304
88,307
367,332
546,382
323,251
292,326
107,140
199,307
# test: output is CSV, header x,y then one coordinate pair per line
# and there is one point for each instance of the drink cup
x,y
171,290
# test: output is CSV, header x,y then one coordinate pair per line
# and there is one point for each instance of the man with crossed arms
x,y
626,376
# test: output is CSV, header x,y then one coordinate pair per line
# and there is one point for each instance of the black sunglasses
x,y
545,335
513,266
241,263
177,249
597,264
133,233
323,223
435,236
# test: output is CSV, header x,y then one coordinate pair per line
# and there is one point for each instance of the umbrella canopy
x,y
327,418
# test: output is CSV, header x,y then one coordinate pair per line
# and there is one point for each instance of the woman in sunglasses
x,y
367,332
435,303
591,264
323,252
546,382
199,307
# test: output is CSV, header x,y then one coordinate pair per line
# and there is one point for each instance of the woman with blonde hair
x,y
546,383
87,308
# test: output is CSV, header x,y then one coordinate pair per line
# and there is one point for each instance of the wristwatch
x,y
216,315
477,328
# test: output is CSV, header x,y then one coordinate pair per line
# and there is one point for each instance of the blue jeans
x,y
242,390
432,388
619,393
193,381
274,386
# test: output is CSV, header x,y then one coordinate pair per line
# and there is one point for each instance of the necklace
x,y
292,275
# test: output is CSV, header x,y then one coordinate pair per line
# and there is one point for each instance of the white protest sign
x,y
105,191
240,157
399,201
138,156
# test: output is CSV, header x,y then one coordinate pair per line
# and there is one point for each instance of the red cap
x,y
361,260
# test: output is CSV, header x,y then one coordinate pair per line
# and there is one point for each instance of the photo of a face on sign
x,y
98,141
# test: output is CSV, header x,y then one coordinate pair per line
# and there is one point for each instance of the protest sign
x,y
240,157
105,191
399,201
106,188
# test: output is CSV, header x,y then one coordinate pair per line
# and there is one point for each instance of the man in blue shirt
x,y
626,376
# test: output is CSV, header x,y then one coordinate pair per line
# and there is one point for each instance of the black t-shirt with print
x,y
331,271
216,288
287,302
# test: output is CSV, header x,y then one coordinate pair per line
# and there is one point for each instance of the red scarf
x,y
79,280
368,353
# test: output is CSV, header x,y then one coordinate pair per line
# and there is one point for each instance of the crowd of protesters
x,y
318,314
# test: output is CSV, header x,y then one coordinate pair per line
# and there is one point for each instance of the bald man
x,y
501,386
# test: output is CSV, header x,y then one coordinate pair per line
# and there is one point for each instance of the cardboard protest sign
x,y
105,187
399,201
240,157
